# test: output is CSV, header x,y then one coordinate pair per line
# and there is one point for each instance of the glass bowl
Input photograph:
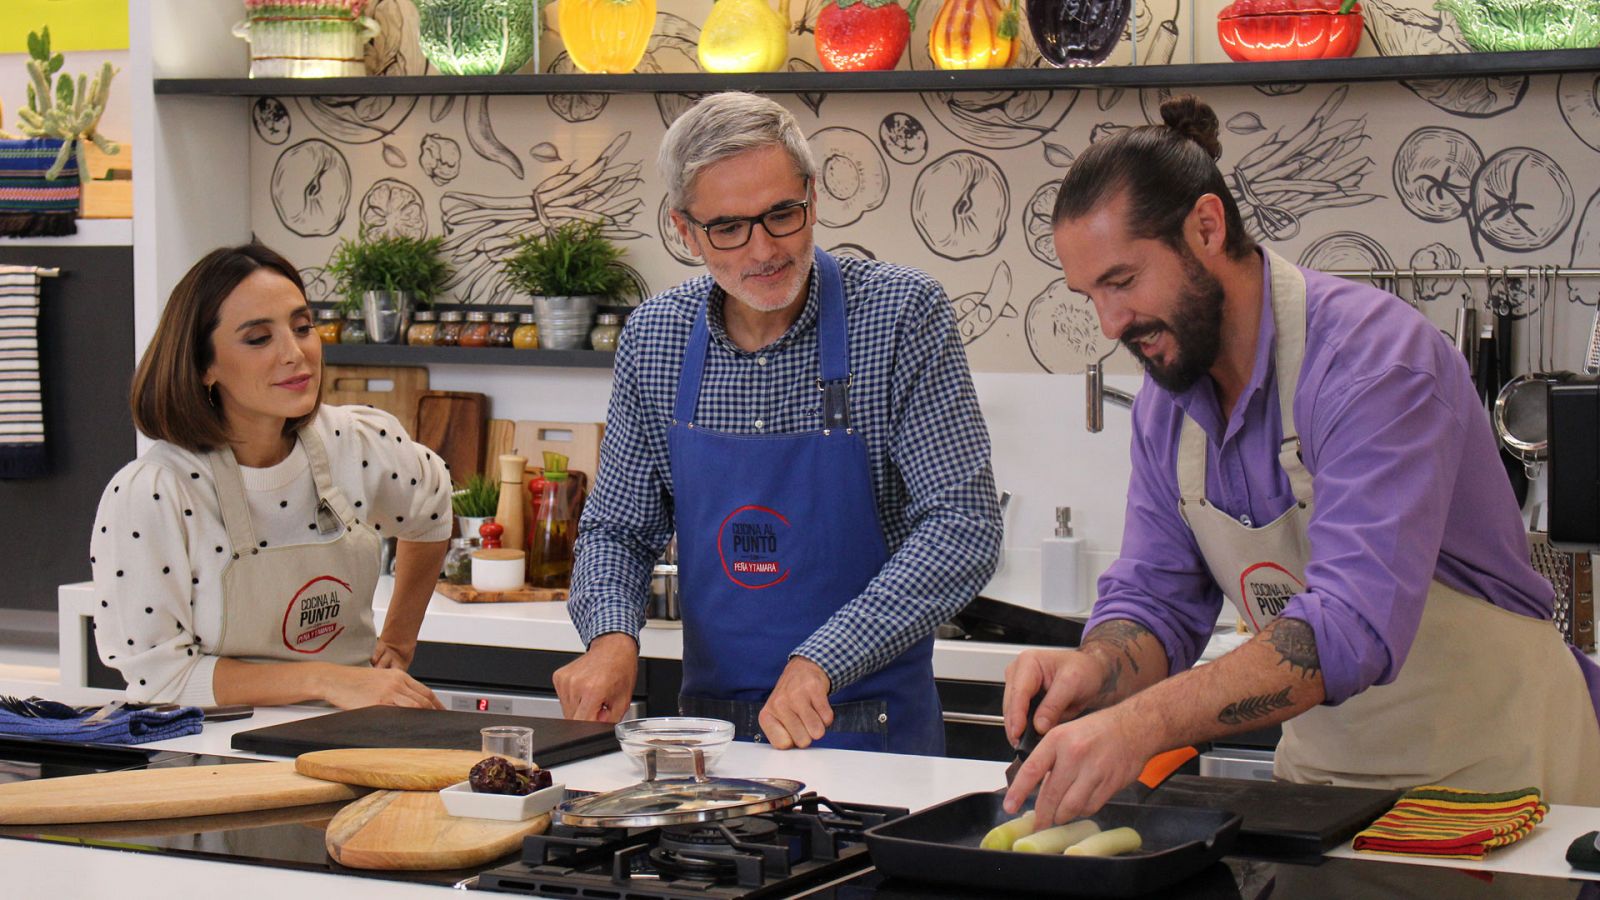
x,y
673,735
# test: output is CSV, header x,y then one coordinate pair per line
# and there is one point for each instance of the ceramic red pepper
x,y
1264,30
863,35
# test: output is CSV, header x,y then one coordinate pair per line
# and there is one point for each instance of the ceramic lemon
x,y
745,36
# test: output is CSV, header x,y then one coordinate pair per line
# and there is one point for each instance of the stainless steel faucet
x,y
1097,394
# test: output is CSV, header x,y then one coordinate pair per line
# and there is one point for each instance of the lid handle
x,y
699,762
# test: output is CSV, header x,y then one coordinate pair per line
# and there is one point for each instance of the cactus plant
x,y
69,110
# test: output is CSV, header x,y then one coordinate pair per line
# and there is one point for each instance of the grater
x,y
1591,357
1572,575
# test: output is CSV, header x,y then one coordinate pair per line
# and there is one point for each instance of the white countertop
x,y
849,775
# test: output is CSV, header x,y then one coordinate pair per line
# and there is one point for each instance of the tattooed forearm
x,y
1251,708
1296,645
1108,688
1120,635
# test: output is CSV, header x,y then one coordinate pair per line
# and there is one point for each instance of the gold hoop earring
x,y
211,394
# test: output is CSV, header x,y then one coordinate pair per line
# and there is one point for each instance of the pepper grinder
x,y
509,512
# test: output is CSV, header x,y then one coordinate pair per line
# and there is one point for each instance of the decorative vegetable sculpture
x,y
69,112
1262,30
744,36
863,35
606,36
974,34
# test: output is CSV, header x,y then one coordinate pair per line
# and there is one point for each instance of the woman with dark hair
x,y
235,561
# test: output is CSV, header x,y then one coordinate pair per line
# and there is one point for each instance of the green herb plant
x,y
573,259
477,498
387,262
69,111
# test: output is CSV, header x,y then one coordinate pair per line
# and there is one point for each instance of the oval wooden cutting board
x,y
401,769
412,830
164,794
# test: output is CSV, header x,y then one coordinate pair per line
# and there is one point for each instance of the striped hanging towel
x,y
22,451
1447,823
31,205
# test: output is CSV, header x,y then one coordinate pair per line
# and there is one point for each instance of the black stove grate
x,y
772,855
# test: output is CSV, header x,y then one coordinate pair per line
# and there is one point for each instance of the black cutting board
x,y
1281,819
555,741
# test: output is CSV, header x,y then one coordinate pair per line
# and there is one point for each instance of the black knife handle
x,y
1030,735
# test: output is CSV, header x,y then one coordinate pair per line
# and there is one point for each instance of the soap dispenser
x,y
1058,569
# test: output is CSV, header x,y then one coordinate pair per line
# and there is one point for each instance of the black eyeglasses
x,y
731,233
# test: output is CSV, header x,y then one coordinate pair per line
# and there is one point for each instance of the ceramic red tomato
x,y
1264,30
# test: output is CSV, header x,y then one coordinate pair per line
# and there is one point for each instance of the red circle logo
x,y
750,544
313,618
1266,589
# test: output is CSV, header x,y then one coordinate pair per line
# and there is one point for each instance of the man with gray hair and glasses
x,y
808,427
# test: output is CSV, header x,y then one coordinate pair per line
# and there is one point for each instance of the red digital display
x,y
483,705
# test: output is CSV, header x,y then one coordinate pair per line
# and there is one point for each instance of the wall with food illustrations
x,y
1481,171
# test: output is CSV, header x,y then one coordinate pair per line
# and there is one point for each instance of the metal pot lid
x,y
676,801
1521,414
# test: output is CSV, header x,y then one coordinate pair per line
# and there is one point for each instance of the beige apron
x,y
1487,699
299,602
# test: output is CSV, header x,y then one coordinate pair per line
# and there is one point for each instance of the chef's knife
x,y
1030,739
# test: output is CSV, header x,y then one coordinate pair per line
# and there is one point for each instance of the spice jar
x,y
607,329
476,332
354,330
501,326
458,560
329,325
526,337
424,330
449,333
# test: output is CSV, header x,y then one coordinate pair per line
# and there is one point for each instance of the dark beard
x,y
1196,328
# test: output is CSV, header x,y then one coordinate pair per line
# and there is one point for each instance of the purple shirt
x,y
1408,486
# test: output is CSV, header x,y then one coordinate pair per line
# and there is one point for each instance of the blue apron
x,y
775,534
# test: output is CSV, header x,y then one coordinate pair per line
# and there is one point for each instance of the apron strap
x,y
329,497
231,501
1288,286
833,348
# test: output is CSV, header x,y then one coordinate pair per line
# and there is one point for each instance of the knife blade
x,y
1030,739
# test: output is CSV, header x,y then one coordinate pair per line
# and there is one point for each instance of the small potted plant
x,y
474,503
385,276
568,270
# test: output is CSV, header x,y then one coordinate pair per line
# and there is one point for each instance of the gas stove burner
x,y
718,834
714,867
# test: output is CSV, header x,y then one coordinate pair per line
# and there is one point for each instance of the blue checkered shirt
x,y
912,401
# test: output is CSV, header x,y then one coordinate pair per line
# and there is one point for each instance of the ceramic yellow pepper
x,y
606,36
974,34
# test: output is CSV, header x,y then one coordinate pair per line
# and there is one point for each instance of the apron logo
x,y
749,542
1265,589
311,621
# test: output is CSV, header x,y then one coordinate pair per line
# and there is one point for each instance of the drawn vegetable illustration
x,y
393,207
1434,256
852,178
975,34
812,99
1576,93
1000,120
310,188
903,138
1585,248
440,158
1407,31
977,312
574,108
606,36
744,36
1521,200
480,134
960,204
271,120
1349,250
1036,218
1287,178
481,231
1062,330
1433,172
670,239
863,35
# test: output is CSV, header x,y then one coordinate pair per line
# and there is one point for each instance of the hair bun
x,y
1193,118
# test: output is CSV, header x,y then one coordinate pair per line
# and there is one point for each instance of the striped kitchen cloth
x,y
1447,823
22,450
30,204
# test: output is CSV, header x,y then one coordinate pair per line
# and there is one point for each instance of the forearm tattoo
x,y
1249,709
1120,635
1296,644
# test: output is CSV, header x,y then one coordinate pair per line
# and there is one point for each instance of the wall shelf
x,y
1365,68
403,355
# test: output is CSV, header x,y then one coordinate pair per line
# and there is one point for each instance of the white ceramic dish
x,y
461,800
672,736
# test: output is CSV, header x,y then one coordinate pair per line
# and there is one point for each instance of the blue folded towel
x,y
54,721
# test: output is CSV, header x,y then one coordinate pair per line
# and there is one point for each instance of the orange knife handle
x,y
1162,765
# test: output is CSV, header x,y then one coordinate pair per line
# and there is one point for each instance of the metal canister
x,y
664,585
